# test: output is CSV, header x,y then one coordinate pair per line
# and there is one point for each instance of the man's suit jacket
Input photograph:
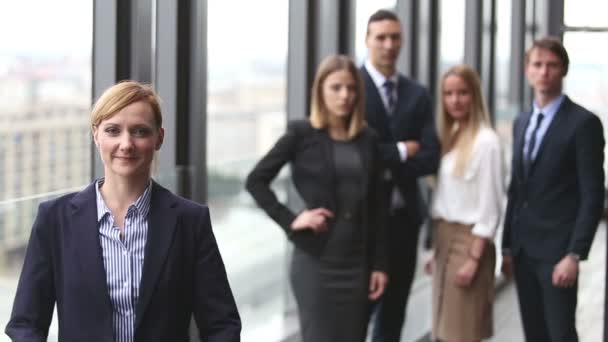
x,y
555,209
310,153
412,120
183,274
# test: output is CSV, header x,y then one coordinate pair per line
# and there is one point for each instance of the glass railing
x,y
16,219
254,250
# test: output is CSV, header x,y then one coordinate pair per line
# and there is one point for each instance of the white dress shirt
x,y
477,197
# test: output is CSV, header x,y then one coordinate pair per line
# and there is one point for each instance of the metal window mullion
x,y
141,41
104,60
473,34
302,45
331,34
165,82
518,34
348,26
300,58
550,17
589,29
530,34
426,48
122,39
489,54
195,58
407,11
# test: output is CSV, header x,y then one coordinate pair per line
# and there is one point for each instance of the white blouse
x,y
477,197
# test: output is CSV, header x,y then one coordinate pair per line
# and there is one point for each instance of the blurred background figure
x,y
466,211
400,110
339,261
556,197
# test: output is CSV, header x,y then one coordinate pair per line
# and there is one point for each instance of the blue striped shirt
x,y
123,259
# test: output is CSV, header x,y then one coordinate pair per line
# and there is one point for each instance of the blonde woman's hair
x,y
121,95
319,115
452,136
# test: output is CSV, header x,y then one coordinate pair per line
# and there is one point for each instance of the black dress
x,y
331,290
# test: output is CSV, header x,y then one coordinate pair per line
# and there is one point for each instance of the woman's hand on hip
x,y
314,219
377,284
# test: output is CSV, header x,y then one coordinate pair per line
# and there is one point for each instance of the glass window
x,y
451,33
45,91
365,8
590,13
587,80
505,110
246,115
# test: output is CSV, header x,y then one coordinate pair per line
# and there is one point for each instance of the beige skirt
x,y
461,314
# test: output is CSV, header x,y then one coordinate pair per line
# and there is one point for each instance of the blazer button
x,y
348,215
526,204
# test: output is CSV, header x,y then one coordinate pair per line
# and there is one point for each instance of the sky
x,y
46,27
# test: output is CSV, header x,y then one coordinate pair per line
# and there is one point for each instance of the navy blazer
x,y
556,208
183,275
412,120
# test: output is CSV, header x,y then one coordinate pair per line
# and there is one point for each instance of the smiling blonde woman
x,y
125,259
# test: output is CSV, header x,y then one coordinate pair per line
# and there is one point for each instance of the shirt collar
x,y
141,205
378,77
550,109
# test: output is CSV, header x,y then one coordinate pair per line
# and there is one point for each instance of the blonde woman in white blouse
x,y
466,211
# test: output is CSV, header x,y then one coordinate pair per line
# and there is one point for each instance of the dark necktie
x,y
532,144
389,87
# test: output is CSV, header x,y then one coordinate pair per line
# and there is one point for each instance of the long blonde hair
x,y
319,116
452,136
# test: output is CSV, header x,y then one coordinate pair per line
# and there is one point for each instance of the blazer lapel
x,y
551,131
519,144
162,222
85,229
329,162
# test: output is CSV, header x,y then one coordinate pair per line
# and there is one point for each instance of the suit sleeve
x,y
590,173
215,310
511,198
35,298
426,161
389,152
259,179
506,231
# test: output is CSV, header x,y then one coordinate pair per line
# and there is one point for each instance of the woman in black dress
x,y
339,261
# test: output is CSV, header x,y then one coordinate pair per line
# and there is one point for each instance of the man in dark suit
x,y
400,111
183,275
556,197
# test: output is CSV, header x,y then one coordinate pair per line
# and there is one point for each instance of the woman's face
x,y
127,141
339,93
457,97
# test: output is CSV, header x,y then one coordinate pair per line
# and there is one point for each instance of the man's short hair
x,y
552,44
382,14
